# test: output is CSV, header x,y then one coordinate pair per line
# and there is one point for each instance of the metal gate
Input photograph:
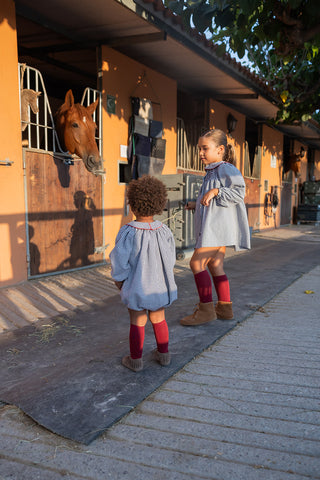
x,y
64,203
286,197
181,188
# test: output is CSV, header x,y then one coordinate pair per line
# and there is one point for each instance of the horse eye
x,y
75,125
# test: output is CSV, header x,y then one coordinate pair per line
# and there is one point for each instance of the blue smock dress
x,y
144,257
224,222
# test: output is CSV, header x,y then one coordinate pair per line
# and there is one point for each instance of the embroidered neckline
x,y
135,224
211,166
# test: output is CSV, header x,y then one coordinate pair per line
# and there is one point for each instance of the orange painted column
x,y
123,78
13,265
271,176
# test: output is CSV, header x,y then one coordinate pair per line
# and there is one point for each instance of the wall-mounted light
x,y
231,123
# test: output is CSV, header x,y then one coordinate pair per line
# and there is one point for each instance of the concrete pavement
x,y
246,408
46,297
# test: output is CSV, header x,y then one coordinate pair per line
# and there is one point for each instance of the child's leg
x,y
204,286
220,279
138,319
160,328
198,264
221,283
161,333
222,286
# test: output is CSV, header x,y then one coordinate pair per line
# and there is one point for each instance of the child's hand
x,y
118,284
207,197
190,206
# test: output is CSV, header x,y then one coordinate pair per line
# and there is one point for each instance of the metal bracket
x,y
6,162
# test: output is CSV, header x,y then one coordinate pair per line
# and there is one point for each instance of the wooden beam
x,y
236,96
134,39
23,51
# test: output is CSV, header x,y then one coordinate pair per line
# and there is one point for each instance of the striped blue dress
x,y
144,257
224,222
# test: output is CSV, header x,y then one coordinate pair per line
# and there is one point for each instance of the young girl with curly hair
x,y
220,221
142,267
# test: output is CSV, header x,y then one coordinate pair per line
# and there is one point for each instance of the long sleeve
x,y
232,187
120,255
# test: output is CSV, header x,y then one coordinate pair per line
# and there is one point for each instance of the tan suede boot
x,y
135,364
224,310
204,313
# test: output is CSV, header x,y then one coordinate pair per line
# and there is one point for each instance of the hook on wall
x,y
6,162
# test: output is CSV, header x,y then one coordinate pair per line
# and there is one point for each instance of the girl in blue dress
x,y
142,267
220,221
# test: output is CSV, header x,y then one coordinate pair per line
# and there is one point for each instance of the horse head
x,y
76,132
293,162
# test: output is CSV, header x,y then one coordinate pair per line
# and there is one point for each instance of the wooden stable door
x,y
252,202
286,199
64,214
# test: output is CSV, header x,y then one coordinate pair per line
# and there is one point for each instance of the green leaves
x,y
203,16
281,38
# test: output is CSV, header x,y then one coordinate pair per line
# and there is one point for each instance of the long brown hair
x,y
220,138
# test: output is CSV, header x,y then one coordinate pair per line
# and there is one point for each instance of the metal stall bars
x,y
37,125
173,214
181,188
89,96
187,141
38,128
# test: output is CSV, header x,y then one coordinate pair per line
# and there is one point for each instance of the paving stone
x,y
245,409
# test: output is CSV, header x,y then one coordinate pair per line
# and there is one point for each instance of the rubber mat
x,y
67,375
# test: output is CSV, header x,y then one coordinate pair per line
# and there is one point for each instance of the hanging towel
x,y
158,147
149,165
155,129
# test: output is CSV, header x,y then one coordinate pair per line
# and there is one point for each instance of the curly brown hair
x,y
147,196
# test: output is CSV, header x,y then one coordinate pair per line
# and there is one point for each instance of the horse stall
x,y
64,204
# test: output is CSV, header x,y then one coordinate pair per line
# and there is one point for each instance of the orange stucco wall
x,y
271,170
121,78
13,267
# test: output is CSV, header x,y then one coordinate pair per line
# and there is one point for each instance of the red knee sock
x,y
221,284
161,333
136,339
204,286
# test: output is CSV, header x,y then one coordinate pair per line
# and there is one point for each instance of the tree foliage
x,y
281,38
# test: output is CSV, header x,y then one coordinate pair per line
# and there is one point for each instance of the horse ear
x,y
91,108
69,99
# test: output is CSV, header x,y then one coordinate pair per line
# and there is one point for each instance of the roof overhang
x,y
63,34
308,133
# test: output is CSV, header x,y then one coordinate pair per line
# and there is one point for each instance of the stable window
x,y
124,173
